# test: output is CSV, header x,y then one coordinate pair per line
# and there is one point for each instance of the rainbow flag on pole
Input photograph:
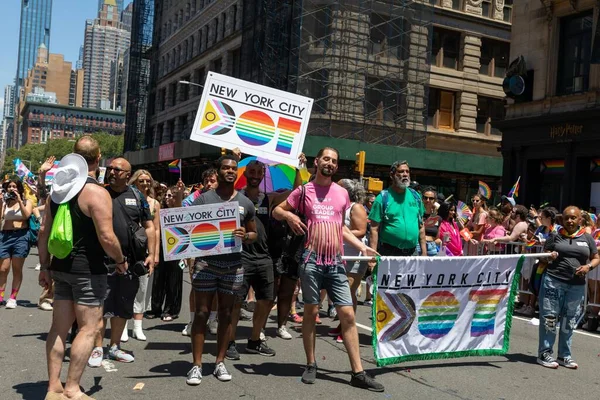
x,y
514,192
175,167
485,190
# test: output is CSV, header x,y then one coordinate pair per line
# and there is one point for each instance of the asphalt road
x,y
163,361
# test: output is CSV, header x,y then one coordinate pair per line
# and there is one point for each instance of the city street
x,y
163,361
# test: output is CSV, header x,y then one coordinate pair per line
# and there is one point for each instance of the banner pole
x,y
367,258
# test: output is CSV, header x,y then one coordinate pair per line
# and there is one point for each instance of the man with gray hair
x,y
397,216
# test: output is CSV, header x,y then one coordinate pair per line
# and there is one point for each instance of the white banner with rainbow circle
x,y
198,231
259,120
443,307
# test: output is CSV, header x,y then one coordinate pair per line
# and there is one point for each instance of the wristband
x,y
122,262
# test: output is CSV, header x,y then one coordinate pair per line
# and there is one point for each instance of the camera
x,y
9,196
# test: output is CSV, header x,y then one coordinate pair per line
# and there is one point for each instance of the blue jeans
x,y
332,278
561,305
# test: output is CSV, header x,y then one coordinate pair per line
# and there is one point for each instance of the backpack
x,y
295,244
34,230
60,242
136,233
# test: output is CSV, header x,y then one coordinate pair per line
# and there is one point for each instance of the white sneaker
x,y
138,333
213,326
38,267
534,322
95,359
194,377
187,331
283,333
11,304
221,372
46,306
125,335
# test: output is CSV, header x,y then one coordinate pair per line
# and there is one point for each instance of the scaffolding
x,y
140,55
365,63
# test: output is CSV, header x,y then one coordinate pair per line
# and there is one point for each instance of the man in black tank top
x,y
80,278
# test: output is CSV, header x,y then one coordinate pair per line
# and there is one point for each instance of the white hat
x,y
69,178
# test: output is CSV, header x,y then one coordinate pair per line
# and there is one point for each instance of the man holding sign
x,y
221,273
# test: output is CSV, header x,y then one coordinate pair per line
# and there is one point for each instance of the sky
x,y
66,34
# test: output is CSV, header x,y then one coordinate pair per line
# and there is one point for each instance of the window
x,y
441,109
216,24
445,47
172,100
224,27
489,111
574,53
200,78
318,27
234,17
487,9
508,6
217,65
494,57
192,45
236,58
317,87
387,36
184,88
385,100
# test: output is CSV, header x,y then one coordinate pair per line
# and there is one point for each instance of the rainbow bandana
x,y
563,232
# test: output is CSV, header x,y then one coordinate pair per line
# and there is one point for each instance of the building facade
x,y
44,121
104,40
9,101
550,136
36,19
117,3
417,80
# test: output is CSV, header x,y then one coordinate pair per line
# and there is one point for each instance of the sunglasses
x,y
428,198
475,201
168,196
116,169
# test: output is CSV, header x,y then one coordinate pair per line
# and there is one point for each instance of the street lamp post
x,y
191,83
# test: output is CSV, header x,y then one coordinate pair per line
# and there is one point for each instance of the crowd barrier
x,y
592,297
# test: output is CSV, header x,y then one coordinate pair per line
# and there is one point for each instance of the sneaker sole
x,y
251,351
567,366
232,358
220,378
284,338
193,383
547,365
370,389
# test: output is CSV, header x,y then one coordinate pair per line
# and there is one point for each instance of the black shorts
x,y
120,296
259,275
287,266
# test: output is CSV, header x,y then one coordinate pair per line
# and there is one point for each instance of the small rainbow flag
x,y
485,190
596,234
463,212
531,243
514,192
553,166
175,167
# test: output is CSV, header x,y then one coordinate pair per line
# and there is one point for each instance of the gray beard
x,y
399,183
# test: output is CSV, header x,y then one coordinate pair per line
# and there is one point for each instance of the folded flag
x,y
175,166
531,243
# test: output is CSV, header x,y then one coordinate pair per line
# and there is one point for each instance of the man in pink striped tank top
x,y
323,204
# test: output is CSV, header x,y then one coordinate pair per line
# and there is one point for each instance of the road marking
x,y
366,328
576,330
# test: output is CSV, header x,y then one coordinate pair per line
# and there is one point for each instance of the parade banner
x,y
443,307
198,231
258,120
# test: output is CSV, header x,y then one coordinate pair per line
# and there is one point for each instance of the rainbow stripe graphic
x,y
596,234
255,128
438,314
531,243
287,132
227,228
463,212
553,166
395,314
485,190
484,318
205,236
177,240
218,118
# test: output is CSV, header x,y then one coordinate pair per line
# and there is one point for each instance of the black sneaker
x,y
232,352
365,381
259,347
546,360
310,373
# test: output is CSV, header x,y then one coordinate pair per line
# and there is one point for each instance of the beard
x,y
402,183
327,171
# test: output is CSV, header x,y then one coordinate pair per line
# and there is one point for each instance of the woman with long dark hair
x,y
168,278
14,239
449,232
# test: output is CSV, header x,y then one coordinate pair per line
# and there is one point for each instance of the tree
x,y
110,146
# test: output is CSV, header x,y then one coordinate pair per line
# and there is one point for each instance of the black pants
x,y
167,287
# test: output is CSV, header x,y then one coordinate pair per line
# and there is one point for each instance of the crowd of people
x,y
292,242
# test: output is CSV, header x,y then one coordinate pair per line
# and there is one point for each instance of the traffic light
x,y
373,185
360,162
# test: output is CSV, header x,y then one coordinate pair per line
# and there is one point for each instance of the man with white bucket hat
x,y
79,278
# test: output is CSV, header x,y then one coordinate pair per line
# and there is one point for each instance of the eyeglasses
x,y
168,196
116,169
428,198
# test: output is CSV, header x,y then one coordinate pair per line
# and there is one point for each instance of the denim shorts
x,y
332,278
432,249
14,243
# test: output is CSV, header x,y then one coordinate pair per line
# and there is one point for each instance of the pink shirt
x,y
493,232
324,209
454,245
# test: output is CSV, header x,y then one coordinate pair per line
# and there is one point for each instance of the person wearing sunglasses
x,y
431,221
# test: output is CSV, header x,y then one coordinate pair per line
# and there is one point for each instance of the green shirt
x,y
401,225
